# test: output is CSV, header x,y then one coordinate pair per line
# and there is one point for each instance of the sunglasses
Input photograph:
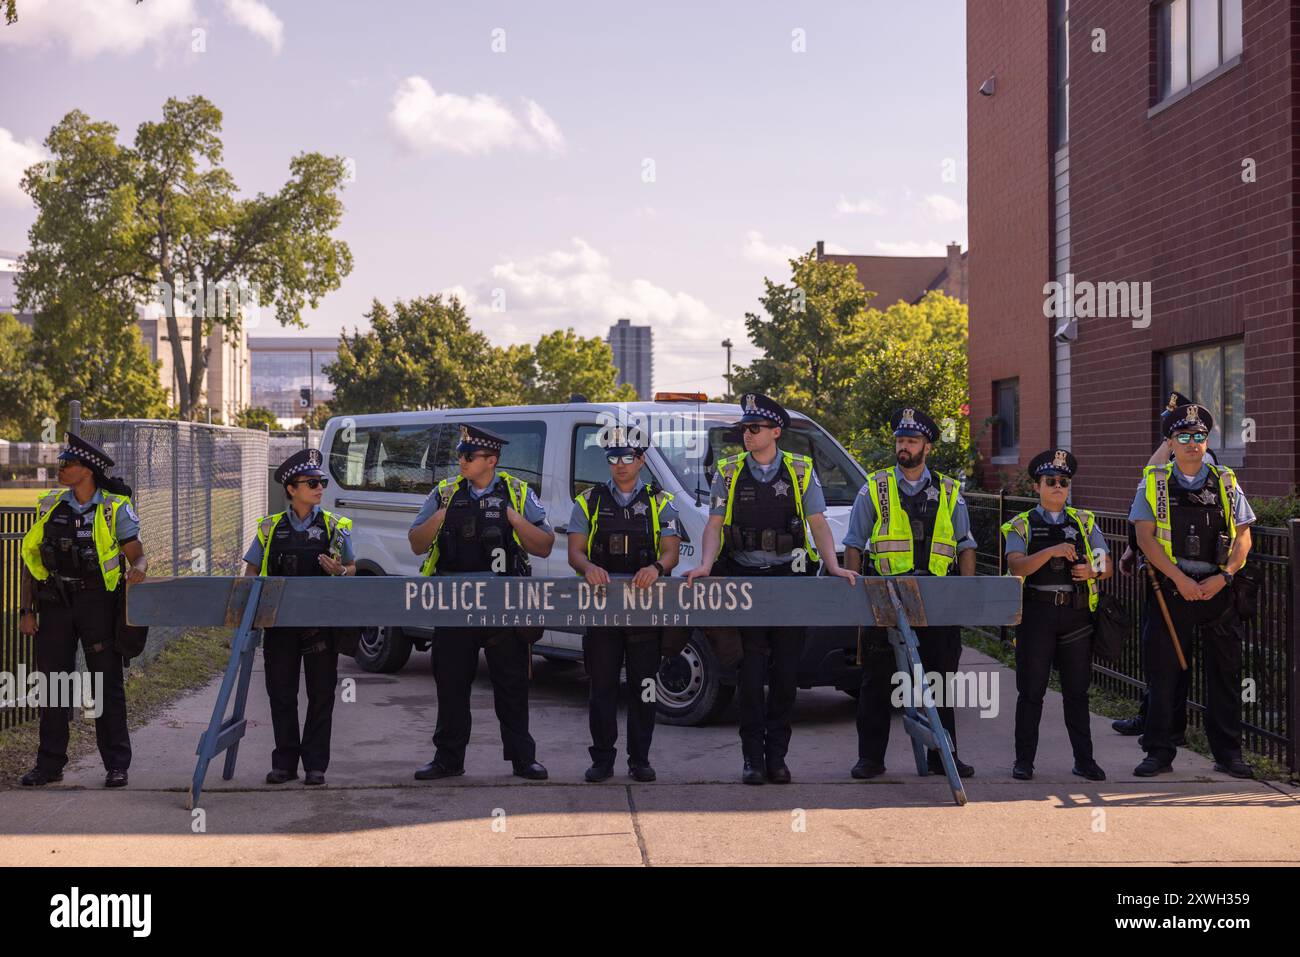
x,y
471,456
1054,482
755,428
314,483
620,459
1184,437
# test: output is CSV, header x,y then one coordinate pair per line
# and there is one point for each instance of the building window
x,y
1061,116
1006,434
1214,376
1195,38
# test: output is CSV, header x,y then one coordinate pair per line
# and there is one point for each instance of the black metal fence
x,y
1271,656
15,650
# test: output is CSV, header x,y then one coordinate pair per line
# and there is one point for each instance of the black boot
x,y
39,777
754,772
1022,771
866,769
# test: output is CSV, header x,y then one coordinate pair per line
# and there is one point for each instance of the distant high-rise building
x,y
633,348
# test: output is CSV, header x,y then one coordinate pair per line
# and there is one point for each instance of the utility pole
x,y
727,344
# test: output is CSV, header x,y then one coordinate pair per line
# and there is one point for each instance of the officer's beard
x,y
909,461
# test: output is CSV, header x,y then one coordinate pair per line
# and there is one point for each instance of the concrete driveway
x,y
373,812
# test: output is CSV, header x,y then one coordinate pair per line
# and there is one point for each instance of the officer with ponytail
x,y
1060,553
304,539
82,550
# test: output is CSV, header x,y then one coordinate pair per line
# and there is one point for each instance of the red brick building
x,y
906,278
1114,142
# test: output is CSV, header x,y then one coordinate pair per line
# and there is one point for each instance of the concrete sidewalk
x,y
373,812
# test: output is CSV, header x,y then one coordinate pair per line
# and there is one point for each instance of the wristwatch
x,y
1227,576
26,611
661,568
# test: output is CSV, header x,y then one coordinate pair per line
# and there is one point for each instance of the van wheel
x,y
689,687
383,648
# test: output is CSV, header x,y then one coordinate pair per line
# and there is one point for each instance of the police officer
x,y
1192,524
483,522
909,521
1130,562
767,518
74,557
622,529
304,539
1060,553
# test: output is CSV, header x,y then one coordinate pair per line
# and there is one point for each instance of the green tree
x,y
257,417
811,337
563,363
95,354
420,354
26,395
160,221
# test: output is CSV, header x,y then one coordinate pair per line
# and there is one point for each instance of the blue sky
x,y
520,177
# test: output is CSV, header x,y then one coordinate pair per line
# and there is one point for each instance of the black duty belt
x,y
1074,597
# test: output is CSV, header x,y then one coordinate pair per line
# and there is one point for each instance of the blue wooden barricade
x,y
251,604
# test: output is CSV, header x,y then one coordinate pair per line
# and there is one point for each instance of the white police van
x,y
382,466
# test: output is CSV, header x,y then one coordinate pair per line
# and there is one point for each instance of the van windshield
x,y
692,446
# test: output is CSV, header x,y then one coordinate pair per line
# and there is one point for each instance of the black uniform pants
x,y
940,649
285,662
770,656
90,620
604,652
455,662
1167,684
1179,726
1040,644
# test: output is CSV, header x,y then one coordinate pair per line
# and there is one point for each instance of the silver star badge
x,y
1071,533
1206,496
932,493
493,502
719,501
314,533
781,487
638,508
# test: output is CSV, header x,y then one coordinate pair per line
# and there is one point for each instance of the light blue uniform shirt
x,y
346,554
668,518
1242,513
863,516
127,525
814,503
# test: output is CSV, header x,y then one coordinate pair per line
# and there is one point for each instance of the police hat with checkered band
x,y
621,440
474,439
758,409
914,422
1053,462
303,464
85,453
1187,418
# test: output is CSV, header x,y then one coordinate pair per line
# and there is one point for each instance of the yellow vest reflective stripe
x,y
801,471
658,502
266,528
1085,520
1157,495
890,545
103,531
447,488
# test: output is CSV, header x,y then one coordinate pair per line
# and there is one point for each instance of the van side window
x,y
522,457
383,458
589,465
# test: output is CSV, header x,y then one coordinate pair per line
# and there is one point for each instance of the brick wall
x,y
1161,198
1008,165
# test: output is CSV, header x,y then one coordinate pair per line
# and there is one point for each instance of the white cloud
x,y
757,249
835,249
911,248
859,207
15,156
427,122
257,18
943,208
90,27
576,286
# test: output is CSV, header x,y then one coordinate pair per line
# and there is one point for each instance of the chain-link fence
x,y
198,490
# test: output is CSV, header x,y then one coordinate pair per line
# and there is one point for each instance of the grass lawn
x,y
19,497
